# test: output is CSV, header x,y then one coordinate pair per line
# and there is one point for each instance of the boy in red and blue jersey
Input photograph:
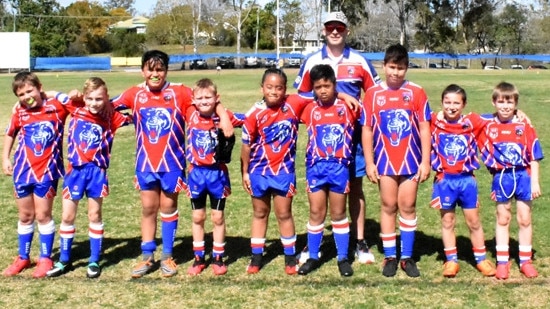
x,y
454,159
354,74
208,175
511,151
37,167
158,110
91,131
396,141
330,124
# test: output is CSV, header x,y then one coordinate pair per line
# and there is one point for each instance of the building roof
x,y
132,23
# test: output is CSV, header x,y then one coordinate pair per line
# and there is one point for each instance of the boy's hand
x,y
522,116
7,168
440,116
75,95
246,183
227,128
350,101
535,189
423,172
372,173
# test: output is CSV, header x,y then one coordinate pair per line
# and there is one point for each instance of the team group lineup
x,y
357,126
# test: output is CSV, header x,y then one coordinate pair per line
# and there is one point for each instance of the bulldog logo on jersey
x,y
395,125
278,134
453,147
330,138
203,142
158,123
88,135
509,153
41,137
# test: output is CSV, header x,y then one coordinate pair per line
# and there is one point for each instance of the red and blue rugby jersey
x,y
394,115
330,131
160,126
454,145
271,133
353,72
202,136
39,153
91,136
509,144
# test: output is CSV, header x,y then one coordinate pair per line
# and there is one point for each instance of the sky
x,y
142,6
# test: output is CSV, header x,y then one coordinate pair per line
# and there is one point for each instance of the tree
x,y
93,23
127,5
48,32
126,43
241,12
171,24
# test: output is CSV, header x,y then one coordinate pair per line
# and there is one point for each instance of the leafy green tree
x,y
48,32
127,5
93,23
126,43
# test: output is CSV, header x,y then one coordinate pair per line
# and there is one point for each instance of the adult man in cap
x,y
354,73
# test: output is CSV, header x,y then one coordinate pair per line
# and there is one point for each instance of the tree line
x,y
446,26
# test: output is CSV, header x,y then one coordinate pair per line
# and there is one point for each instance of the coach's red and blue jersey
x,y
91,136
160,126
202,136
39,153
509,144
454,144
395,115
353,72
330,130
272,133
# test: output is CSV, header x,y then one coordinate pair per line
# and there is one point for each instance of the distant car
x,y
435,66
492,67
537,66
462,67
198,64
516,67
251,62
226,62
447,66
413,65
294,62
270,62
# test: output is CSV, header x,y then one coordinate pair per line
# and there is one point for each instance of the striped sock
x,y
407,229
314,238
480,254
289,244
340,232
257,245
502,254
47,236
66,236
25,234
169,227
95,233
389,242
524,254
451,254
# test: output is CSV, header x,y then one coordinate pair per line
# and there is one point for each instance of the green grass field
x,y
272,288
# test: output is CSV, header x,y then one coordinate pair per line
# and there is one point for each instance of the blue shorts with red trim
x,y
324,174
211,180
283,185
171,182
452,190
88,179
511,183
46,189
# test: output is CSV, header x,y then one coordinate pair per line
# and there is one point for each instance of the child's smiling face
x,y
29,96
453,104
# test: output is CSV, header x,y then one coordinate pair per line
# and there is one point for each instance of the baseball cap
x,y
336,16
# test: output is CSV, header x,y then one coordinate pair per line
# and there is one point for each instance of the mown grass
x,y
271,288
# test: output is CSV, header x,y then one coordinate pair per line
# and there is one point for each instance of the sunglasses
x,y
338,28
